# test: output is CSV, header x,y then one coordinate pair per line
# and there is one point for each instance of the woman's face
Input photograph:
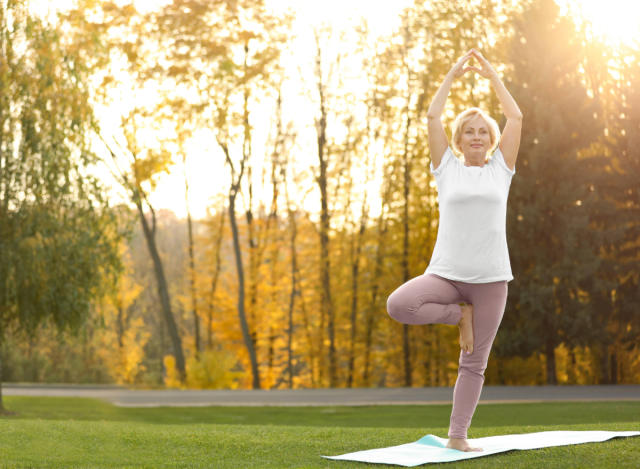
x,y
475,138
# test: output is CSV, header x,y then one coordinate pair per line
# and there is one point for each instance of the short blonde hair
x,y
464,117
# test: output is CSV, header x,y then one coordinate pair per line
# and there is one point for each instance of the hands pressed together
x,y
485,70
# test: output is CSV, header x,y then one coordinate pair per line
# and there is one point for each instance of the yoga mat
x,y
430,448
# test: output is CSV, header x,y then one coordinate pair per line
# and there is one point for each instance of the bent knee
x,y
396,308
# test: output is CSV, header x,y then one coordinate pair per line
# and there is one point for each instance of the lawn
x,y
65,432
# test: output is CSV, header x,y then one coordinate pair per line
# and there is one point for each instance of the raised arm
x,y
510,138
437,137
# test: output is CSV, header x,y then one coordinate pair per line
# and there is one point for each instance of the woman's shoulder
x,y
447,156
497,158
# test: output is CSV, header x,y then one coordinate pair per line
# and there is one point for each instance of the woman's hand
x,y
459,69
486,69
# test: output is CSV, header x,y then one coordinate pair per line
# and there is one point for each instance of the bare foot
x,y
461,444
466,328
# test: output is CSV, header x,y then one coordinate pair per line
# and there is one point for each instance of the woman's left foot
x,y
466,328
461,444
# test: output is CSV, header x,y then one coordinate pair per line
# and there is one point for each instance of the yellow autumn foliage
x,y
125,363
124,336
171,378
212,370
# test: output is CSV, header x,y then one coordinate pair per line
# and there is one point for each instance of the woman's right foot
x,y
466,328
461,444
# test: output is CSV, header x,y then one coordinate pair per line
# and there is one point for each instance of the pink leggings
x,y
431,299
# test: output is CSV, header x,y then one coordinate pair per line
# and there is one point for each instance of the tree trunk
x,y
192,265
163,346
214,280
326,298
253,271
354,321
604,364
270,374
614,367
435,361
120,326
256,247
355,273
2,409
428,334
163,292
314,355
292,295
274,242
406,158
573,365
241,311
279,168
371,310
325,267
551,362
274,327
373,304
406,350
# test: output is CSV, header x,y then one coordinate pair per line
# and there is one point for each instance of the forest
x,y
322,209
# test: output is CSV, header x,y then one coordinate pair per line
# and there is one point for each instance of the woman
x,y
465,283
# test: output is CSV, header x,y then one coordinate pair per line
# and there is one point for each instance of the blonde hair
x,y
464,117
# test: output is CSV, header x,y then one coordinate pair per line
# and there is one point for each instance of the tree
x,y
612,75
323,76
144,164
550,200
220,54
111,40
59,238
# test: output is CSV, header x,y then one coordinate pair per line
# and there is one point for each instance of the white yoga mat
x,y
430,448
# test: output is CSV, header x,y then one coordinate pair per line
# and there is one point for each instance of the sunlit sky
x,y
616,20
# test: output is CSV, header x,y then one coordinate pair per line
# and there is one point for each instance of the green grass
x,y
73,433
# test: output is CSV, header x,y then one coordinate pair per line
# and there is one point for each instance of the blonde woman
x,y
465,283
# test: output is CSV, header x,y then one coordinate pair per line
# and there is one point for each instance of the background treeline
x,y
265,294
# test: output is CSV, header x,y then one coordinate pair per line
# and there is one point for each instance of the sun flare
x,y
616,21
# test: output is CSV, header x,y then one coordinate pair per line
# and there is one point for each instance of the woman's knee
x,y
396,307
474,363
401,305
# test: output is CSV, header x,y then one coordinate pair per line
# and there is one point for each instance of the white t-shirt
x,y
472,241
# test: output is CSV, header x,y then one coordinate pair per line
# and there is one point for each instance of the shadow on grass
x,y
397,416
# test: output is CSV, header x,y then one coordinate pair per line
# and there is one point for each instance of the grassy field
x,y
73,433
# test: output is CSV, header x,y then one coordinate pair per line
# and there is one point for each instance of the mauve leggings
x,y
431,299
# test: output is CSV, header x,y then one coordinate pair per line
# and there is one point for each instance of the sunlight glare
x,y
616,21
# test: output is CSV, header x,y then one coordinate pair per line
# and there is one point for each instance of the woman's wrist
x,y
495,77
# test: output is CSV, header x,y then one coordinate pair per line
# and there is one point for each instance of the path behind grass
x,y
60,432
